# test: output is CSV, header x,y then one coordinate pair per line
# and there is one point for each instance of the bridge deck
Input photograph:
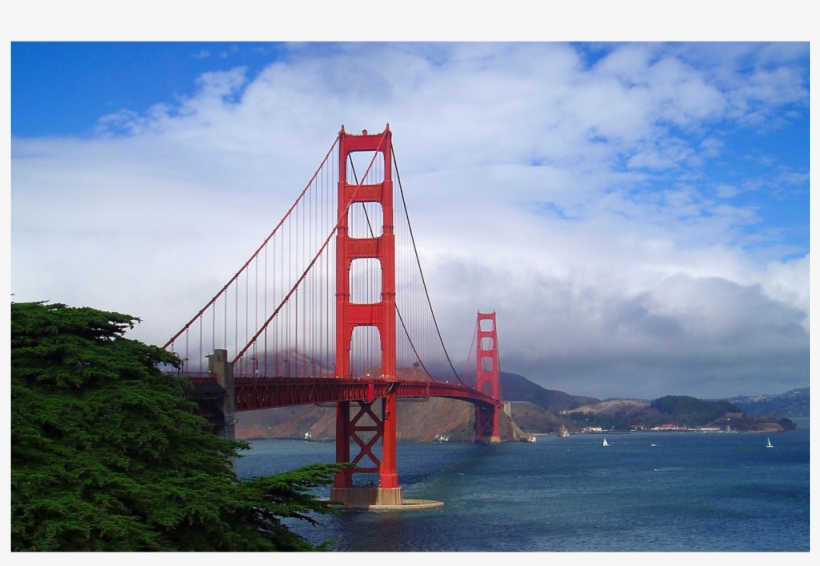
x,y
252,393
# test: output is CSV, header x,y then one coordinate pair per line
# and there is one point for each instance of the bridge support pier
x,y
365,429
381,315
218,364
486,425
365,496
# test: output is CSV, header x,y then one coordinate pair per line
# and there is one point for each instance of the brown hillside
x,y
287,422
420,421
534,419
423,421
612,407
516,387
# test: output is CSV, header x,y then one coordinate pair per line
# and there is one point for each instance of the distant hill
x,y
417,420
689,411
423,420
532,418
533,409
516,387
794,403
678,410
612,407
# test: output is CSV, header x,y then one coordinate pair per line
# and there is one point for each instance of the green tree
x,y
690,411
107,455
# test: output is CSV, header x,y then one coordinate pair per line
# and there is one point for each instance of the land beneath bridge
x,y
530,409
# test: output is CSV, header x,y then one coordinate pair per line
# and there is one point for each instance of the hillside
x,y
532,409
424,420
678,410
418,420
613,406
515,387
794,403
534,419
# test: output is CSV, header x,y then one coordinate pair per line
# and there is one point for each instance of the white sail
x,y
769,443
605,442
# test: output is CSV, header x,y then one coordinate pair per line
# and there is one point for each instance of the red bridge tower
x,y
486,378
381,315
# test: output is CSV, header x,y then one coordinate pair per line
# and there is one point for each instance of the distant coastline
x,y
531,410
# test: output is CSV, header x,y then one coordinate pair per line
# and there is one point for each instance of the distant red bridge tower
x,y
487,378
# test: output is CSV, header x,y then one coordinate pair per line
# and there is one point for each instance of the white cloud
x,y
726,191
530,179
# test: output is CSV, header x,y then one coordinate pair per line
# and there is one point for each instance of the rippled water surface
x,y
691,492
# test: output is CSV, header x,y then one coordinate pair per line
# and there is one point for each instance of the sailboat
x,y
308,437
769,443
605,442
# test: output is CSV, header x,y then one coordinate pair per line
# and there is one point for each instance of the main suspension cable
x,y
421,272
310,265
470,353
398,311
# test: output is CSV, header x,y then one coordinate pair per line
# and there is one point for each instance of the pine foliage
x,y
107,455
689,411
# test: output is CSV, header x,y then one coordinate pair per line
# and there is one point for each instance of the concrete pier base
x,y
367,495
378,499
488,439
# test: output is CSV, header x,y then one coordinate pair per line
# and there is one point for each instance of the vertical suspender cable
x,y
372,235
424,283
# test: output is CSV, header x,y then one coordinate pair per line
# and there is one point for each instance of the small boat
x,y
605,442
769,443
653,444
308,437
531,439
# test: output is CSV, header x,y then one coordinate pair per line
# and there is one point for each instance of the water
x,y
692,492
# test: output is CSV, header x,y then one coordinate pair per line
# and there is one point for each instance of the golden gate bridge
x,y
333,307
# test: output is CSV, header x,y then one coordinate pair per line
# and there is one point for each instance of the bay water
x,y
690,492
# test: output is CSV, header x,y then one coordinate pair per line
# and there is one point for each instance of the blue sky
x,y
631,187
104,77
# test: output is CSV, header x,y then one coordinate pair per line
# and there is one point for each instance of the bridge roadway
x,y
252,393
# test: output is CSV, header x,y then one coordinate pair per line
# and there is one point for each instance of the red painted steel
x,y
256,253
365,428
254,393
380,315
487,381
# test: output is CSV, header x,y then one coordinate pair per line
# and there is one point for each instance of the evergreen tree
x,y
689,411
107,455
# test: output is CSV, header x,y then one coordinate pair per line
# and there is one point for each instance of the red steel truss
x,y
381,315
254,393
486,381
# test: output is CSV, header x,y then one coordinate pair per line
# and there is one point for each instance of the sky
x,y
637,213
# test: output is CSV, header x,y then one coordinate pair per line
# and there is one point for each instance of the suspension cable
x,y
467,361
418,261
421,363
256,253
398,311
310,265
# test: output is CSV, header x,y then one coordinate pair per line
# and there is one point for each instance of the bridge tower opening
x,y
487,378
370,189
